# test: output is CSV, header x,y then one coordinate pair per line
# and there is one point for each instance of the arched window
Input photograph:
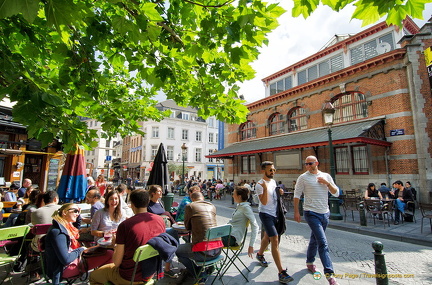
x,y
350,107
297,119
276,124
247,131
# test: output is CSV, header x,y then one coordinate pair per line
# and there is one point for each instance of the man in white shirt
x,y
315,186
266,190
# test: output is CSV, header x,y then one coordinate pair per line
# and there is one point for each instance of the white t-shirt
x,y
270,207
315,193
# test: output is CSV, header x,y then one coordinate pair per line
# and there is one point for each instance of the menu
x,y
53,173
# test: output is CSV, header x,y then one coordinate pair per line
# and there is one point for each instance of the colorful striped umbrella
x,y
73,182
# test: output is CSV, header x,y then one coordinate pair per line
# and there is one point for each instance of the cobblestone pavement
x,y
351,253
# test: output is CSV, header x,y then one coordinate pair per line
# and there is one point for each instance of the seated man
x,y
199,216
43,215
401,196
186,200
93,197
131,234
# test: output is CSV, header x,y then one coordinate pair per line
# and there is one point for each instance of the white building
x,y
96,159
133,156
184,126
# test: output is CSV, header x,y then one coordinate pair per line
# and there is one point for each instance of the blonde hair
x,y
58,214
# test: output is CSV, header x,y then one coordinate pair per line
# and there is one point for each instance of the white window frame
x,y
155,132
185,134
198,154
170,152
198,136
170,134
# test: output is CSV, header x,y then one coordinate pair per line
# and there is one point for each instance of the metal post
x,y
363,221
183,178
332,163
334,202
380,265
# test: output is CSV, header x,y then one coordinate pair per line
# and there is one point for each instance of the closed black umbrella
x,y
159,173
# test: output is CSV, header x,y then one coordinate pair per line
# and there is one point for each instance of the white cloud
x,y
298,38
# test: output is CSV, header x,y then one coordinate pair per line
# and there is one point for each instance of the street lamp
x,y
183,147
217,167
328,114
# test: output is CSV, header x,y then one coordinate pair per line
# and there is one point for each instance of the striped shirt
x,y
315,193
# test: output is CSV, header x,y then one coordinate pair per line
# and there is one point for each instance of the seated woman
x,y
109,217
372,192
243,215
218,189
62,249
155,207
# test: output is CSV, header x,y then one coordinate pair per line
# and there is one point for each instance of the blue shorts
x,y
269,224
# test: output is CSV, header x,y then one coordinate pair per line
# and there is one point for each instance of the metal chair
x,y
351,194
142,253
410,210
7,234
426,211
218,262
374,207
287,199
232,254
350,204
37,230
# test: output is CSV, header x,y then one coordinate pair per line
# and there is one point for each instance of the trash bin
x,y
334,209
167,201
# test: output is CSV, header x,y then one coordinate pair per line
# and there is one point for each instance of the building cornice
x,y
346,72
408,24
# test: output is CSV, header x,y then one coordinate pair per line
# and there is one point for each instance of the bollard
x,y
380,265
363,221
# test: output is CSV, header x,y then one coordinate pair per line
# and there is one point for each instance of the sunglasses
x,y
310,163
76,211
272,170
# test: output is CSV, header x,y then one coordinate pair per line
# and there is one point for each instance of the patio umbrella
x,y
159,173
73,181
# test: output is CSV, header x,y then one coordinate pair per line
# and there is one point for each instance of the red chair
x,y
35,250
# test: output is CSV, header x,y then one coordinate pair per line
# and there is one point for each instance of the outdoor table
x,y
106,244
182,231
180,227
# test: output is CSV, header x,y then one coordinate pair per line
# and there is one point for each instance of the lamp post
x,y
217,167
183,147
328,114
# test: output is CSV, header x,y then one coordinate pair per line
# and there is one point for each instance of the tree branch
x,y
210,6
172,32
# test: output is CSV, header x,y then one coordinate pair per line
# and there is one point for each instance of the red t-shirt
x,y
133,233
101,186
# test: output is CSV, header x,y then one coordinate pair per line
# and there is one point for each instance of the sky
x,y
298,38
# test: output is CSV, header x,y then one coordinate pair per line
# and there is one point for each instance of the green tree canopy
x,y
62,59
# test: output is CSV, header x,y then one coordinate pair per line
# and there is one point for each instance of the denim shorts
x,y
269,224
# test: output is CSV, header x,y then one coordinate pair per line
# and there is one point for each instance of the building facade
x,y
21,157
183,127
101,159
378,83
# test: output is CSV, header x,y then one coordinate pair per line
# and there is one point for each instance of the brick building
x,y
377,81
